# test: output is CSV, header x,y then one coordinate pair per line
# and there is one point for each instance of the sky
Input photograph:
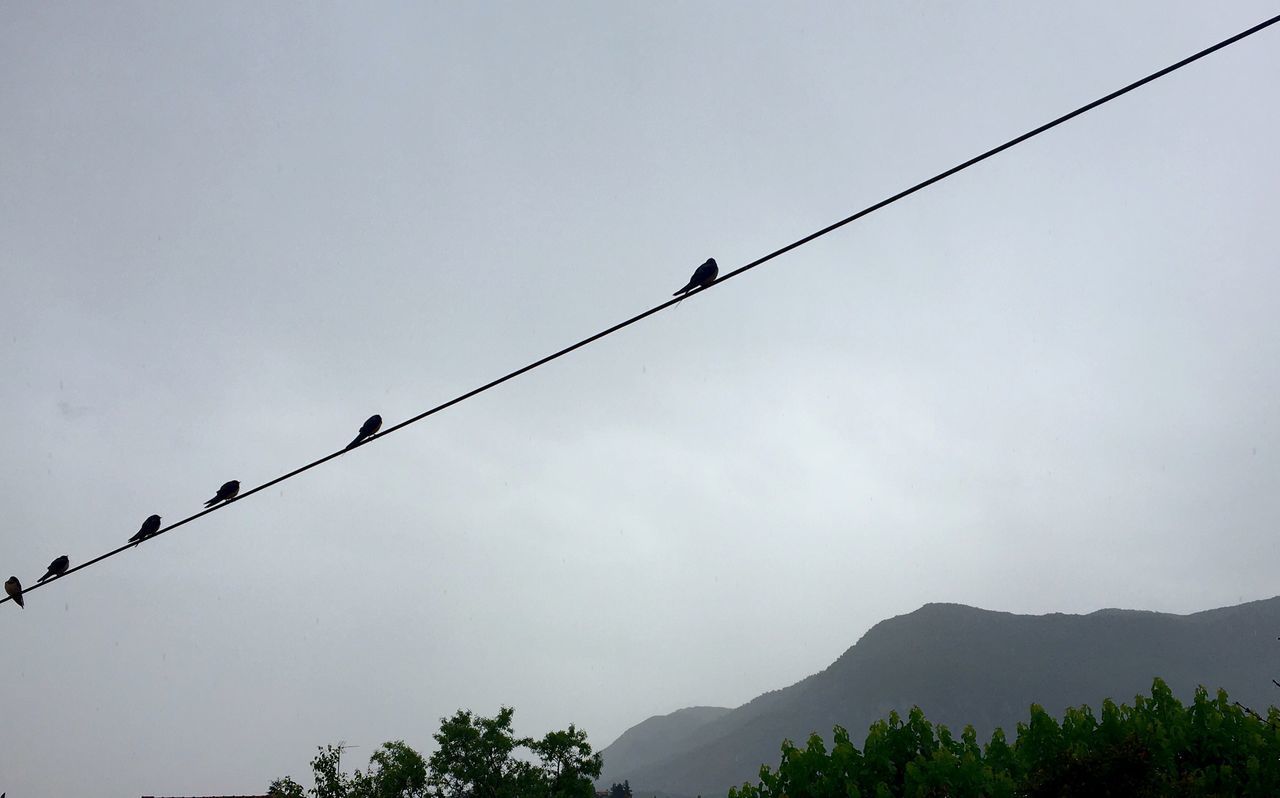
x,y
231,232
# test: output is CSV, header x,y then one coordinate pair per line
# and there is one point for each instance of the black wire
x,y
848,219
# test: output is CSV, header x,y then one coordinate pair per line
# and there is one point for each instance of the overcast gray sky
x,y
230,232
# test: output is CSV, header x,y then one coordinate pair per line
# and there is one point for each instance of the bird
x,y
225,493
56,568
14,588
149,529
367,430
702,277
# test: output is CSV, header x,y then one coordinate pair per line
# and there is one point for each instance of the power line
x,y
801,242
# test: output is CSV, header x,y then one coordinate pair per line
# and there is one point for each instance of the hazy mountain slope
x,y
966,665
655,738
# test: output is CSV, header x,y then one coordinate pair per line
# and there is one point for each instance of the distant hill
x,y
653,740
961,665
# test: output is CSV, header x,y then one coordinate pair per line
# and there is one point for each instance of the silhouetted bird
x,y
702,277
14,588
225,493
57,568
367,430
149,528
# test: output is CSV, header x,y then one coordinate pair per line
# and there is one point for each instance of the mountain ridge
x,y
962,665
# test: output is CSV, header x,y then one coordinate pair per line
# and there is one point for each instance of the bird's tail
x,y
684,290
46,576
211,502
359,440
18,600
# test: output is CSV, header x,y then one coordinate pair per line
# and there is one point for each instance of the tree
x,y
330,781
285,788
568,766
475,758
1158,747
395,771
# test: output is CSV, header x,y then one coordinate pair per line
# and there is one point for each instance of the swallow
x,y
56,568
702,277
149,529
14,588
225,493
367,430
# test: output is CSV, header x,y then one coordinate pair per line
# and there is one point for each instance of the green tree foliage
x,y
285,788
1156,748
568,766
475,758
331,782
395,771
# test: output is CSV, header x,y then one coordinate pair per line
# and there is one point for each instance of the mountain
x,y
653,740
961,665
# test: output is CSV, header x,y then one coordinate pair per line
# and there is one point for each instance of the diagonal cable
x,y
793,245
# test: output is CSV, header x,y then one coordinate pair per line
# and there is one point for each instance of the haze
x,y
231,232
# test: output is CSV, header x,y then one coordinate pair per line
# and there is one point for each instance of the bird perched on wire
x,y
56,568
367,430
702,277
149,528
14,588
225,493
